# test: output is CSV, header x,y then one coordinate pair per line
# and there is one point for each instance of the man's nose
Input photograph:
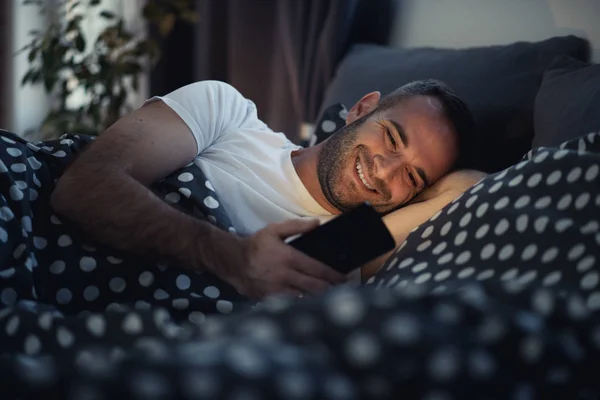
x,y
386,168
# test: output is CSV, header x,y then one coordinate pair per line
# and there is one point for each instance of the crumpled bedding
x,y
81,320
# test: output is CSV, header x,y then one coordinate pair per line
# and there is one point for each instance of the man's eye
x,y
391,137
412,179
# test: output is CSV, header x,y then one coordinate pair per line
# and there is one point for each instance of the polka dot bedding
x,y
332,120
495,297
536,224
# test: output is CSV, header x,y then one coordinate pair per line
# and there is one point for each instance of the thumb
x,y
294,227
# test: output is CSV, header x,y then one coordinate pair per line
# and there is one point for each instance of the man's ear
x,y
364,106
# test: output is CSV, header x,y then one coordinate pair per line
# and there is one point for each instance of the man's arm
x,y
402,221
105,193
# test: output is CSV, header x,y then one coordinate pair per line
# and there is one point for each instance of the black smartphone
x,y
347,241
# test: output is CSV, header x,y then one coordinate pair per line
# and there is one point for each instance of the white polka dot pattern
x,y
509,268
506,234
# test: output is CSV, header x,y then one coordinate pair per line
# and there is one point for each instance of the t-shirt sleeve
x,y
210,109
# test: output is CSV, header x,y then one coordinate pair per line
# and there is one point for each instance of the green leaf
x,y
122,33
166,25
107,15
131,68
119,26
22,49
74,6
32,54
73,24
49,82
82,73
51,44
27,77
35,76
80,43
148,48
103,65
151,11
94,3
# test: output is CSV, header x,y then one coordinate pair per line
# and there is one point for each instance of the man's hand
x,y
262,264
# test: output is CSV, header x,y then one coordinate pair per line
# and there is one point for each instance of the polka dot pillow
x,y
330,122
191,192
535,223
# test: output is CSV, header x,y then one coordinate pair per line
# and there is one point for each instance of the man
x,y
389,152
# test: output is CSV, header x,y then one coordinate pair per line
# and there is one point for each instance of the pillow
x,y
499,84
533,224
331,120
568,102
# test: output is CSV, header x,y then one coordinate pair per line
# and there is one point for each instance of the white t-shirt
x,y
248,164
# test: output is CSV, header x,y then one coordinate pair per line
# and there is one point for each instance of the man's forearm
x,y
117,210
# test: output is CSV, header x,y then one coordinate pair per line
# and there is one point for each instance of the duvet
x,y
497,296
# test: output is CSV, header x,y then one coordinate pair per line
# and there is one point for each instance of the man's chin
x,y
345,206
341,205
381,209
387,209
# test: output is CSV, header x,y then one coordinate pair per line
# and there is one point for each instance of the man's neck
x,y
305,163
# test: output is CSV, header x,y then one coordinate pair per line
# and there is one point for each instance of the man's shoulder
x,y
208,88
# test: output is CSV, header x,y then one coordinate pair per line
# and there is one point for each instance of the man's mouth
x,y
359,169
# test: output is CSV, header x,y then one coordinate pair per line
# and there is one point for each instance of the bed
x,y
497,296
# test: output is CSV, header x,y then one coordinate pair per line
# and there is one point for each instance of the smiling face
x,y
386,157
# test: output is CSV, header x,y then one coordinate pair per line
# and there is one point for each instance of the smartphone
x,y
347,241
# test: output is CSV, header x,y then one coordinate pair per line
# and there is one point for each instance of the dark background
x,y
279,53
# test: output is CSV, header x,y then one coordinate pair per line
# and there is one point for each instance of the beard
x,y
334,160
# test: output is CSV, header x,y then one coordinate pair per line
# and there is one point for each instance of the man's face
x,y
388,157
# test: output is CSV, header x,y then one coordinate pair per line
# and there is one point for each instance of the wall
x,y
26,105
466,23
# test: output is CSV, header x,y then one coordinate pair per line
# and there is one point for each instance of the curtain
x,y
279,53
309,40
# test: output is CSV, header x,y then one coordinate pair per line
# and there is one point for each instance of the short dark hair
x,y
455,109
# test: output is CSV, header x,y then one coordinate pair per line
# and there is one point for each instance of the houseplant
x,y
103,69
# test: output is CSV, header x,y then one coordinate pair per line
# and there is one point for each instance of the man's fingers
x,y
309,266
293,227
307,284
291,292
